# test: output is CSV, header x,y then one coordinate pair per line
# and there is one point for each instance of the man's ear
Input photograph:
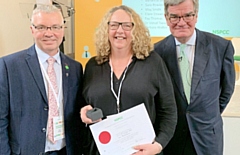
x,y
166,18
31,27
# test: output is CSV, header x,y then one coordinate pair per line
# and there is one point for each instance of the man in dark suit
x,y
203,97
25,121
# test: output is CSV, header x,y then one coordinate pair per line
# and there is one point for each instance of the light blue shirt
x,y
43,57
189,50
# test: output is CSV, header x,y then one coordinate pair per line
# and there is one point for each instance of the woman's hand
x,y
148,149
83,115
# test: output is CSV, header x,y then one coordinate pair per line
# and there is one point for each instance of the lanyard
x,y
57,97
117,96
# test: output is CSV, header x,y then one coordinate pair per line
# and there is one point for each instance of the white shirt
x,y
42,57
189,50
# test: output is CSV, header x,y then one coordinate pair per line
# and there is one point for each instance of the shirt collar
x,y
42,56
191,41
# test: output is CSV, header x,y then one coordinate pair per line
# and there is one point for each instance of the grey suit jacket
x,y
213,81
24,105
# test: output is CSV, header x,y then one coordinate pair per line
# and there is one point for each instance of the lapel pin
x,y
66,67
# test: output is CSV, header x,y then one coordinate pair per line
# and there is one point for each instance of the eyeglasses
x,y
127,26
42,28
176,19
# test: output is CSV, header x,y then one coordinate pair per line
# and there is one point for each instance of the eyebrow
x,y
119,22
174,15
47,26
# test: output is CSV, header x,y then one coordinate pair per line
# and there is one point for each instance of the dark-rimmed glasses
x,y
42,28
176,19
127,26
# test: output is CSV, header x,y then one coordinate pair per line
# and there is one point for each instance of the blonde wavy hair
x,y
141,40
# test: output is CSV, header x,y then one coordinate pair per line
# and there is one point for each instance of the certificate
x,y
119,133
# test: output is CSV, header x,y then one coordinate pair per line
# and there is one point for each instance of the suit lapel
x,y
34,67
200,60
65,74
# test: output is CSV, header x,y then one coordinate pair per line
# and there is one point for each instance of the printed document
x,y
119,133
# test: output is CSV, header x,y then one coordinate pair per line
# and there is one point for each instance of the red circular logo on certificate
x,y
104,137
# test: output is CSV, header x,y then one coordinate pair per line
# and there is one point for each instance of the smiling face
x,y
182,30
120,39
48,41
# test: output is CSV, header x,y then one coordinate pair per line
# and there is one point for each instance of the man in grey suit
x,y
205,95
24,107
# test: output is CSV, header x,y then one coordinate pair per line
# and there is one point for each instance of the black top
x,y
146,81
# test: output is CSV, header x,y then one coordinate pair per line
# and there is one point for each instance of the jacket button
x,y
46,108
43,129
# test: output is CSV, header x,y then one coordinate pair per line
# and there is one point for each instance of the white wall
x,y
15,31
231,135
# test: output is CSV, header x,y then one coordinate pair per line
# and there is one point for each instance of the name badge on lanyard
x,y
58,128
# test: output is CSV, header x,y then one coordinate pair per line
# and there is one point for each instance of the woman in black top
x,y
125,73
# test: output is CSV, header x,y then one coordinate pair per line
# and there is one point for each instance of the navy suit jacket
x,y
213,81
24,104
